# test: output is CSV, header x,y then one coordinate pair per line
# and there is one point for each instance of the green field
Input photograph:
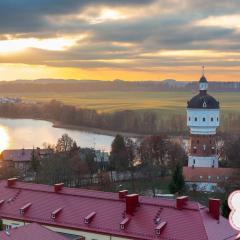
x,y
170,102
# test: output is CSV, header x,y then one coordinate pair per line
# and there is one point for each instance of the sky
x,y
125,39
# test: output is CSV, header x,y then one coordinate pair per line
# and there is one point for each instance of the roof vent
x,y
214,207
122,194
1,202
11,182
88,219
160,228
124,223
58,187
181,201
132,202
56,212
25,208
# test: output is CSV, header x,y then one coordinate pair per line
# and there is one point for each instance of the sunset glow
x,y
4,139
55,44
137,40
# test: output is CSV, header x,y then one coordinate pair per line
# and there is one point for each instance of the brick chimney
x,y
122,194
132,202
214,207
181,201
58,187
11,182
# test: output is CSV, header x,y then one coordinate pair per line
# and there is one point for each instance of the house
x,y
89,215
26,232
208,179
101,156
21,158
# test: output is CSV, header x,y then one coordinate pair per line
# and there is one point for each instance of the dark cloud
x,y
28,15
172,29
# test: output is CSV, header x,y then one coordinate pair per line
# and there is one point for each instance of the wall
x,y
203,161
202,186
200,126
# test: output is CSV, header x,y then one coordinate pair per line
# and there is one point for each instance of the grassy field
x,y
169,102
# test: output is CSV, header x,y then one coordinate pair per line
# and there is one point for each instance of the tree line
x,y
57,85
146,122
139,122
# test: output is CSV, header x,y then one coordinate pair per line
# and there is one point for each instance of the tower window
x,y
217,119
204,119
195,119
211,119
213,151
189,119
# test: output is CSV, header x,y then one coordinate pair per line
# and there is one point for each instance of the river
x,y
29,133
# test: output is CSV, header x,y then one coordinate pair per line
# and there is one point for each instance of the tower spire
x,y
203,83
203,70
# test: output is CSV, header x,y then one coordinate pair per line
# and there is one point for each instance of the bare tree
x,y
65,144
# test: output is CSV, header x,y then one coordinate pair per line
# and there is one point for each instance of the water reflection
x,y
19,133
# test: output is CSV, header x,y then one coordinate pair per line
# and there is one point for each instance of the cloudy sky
x,y
126,39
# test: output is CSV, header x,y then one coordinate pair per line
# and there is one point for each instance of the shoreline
x,y
106,132
96,130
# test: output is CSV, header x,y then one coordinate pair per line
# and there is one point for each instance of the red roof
x,y
28,231
72,206
23,155
204,174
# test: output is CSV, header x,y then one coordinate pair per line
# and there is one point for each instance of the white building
x,y
203,120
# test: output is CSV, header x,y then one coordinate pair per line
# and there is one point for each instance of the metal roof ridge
x,y
169,206
202,222
65,193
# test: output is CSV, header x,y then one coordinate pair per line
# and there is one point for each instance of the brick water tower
x,y
203,120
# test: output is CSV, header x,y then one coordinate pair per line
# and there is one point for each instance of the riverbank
x,y
106,132
96,130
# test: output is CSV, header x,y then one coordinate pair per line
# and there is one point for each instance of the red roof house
x,y
21,158
30,232
82,212
208,179
204,174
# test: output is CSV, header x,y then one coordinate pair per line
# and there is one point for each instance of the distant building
x,y
21,158
9,100
87,214
209,179
101,156
29,232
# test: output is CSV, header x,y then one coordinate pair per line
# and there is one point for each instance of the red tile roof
x,y
213,175
192,222
28,231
